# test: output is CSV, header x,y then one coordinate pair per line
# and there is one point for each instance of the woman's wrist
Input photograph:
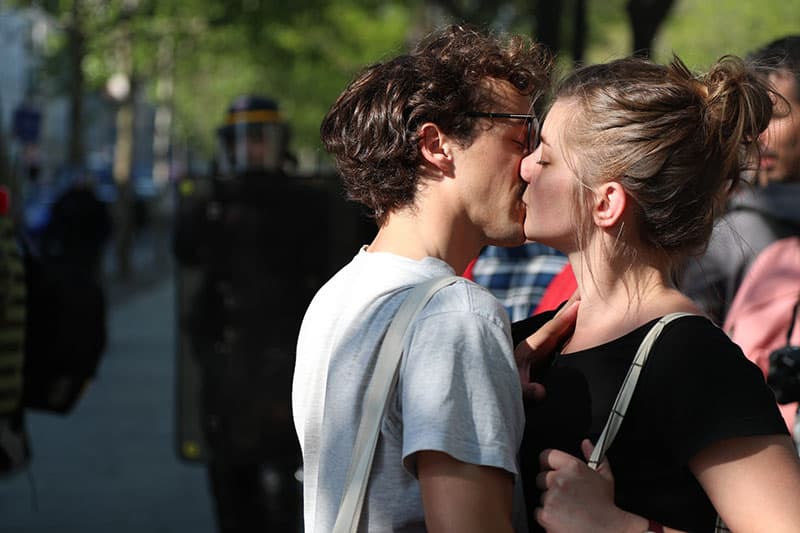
x,y
632,523
654,527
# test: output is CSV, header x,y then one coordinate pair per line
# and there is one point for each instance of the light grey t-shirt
x,y
458,390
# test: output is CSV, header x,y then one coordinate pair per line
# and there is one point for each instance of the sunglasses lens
x,y
530,132
533,134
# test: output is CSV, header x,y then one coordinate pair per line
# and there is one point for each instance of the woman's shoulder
x,y
694,330
694,348
701,388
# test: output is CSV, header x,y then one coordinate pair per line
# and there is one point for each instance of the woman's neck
x,y
615,302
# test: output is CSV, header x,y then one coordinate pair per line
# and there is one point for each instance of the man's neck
x,y
417,234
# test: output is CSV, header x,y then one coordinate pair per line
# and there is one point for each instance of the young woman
x,y
635,161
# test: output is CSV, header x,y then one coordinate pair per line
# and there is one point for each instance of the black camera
x,y
784,374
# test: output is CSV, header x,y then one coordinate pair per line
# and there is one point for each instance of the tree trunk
x,y
123,164
579,35
123,157
548,23
646,17
77,52
165,89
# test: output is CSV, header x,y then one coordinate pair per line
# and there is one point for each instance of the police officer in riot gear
x,y
260,243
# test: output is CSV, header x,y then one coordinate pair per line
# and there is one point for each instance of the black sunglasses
x,y
531,136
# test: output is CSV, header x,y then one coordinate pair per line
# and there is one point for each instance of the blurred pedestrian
x,y
78,229
14,445
66,323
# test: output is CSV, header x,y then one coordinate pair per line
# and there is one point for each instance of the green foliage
x,y
215,50
319,59
303,53
302,56
609,30
700,31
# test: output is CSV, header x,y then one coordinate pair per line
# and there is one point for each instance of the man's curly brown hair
x,y
372,130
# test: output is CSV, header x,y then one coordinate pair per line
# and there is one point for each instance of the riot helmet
x,y
253,138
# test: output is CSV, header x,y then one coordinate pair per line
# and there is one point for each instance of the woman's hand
x,y
576,498
540,346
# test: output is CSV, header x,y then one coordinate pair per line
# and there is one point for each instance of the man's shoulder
x,y
468,298
465,292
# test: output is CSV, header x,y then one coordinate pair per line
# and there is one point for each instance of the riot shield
x,y
191,194
190,441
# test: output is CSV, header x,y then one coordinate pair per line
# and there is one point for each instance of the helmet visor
x,y
249,147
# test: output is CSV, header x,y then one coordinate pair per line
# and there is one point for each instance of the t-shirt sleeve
x,y
459,390
706,390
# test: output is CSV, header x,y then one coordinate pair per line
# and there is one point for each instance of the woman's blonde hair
x,y
677,142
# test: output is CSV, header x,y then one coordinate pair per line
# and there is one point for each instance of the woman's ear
x,y
436,148
609,205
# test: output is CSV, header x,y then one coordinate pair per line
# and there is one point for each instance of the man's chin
x,y
509,241
769,175
510,238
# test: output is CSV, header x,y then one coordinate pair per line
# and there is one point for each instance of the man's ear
x,y
435,148
609,204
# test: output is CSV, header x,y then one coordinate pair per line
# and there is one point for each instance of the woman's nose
x,y
763,138
528,165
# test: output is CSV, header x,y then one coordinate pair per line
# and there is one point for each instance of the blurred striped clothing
x,y
518,276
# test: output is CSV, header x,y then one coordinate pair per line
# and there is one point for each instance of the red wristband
x,y
654,527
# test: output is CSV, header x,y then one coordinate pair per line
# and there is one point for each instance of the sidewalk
x,y
110,466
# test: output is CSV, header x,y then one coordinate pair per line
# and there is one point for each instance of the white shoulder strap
x,y
625,393
379,390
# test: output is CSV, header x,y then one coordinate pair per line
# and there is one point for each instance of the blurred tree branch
x,y
646,17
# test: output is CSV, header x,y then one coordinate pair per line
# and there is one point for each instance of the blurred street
x,y
110,465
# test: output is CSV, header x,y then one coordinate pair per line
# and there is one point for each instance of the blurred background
x,y
125,98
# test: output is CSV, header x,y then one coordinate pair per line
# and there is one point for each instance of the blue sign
x,y
26,124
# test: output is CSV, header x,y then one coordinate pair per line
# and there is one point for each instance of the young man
x,y
431,143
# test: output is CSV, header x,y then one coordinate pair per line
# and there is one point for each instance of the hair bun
x,y
739,103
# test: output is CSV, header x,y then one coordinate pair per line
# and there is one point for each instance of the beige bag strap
x,y
379,390
625,393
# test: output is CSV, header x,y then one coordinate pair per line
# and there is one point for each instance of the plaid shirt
x,y
518,276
